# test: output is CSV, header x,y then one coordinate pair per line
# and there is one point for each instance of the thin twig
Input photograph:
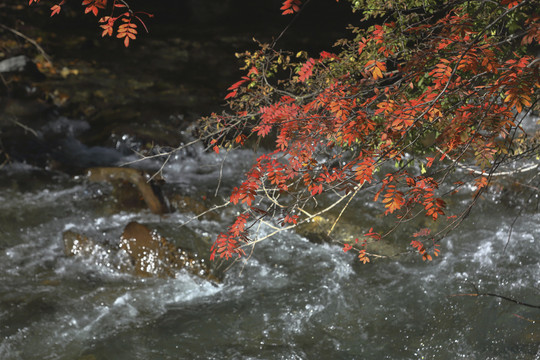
x,y
213,208
26,128
511,229
344,208
30,40
220,174
517,217
500,297
328,208
500,173
289,25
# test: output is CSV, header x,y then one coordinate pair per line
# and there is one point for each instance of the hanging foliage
x,y
430,88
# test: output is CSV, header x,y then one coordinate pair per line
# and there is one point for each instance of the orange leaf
x,y
306,71
237,84
55,10
290,6
231,94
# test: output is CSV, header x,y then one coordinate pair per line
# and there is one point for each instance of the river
x,y
292,299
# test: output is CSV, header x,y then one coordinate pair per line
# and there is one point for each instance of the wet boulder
x,y
141,252
118,176
153,255
95,252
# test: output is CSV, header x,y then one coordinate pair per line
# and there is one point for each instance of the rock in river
x,y
153,255
138,178
149,253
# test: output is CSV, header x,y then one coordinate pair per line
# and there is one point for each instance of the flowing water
x,y
293,299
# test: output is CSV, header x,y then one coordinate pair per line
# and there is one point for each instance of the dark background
x,y
163,82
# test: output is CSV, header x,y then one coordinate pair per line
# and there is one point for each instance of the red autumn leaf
x,y
376,68
361,45
306,71
393,200
237,84
108,25
362,256
231,94
55,9
291,6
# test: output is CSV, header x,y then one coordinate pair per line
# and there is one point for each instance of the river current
x,y
293,299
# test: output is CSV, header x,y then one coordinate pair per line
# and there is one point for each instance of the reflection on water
x,y
292,300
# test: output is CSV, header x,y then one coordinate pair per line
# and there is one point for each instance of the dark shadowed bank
x,y
164,81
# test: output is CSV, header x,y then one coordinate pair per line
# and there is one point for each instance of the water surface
x,y
292,299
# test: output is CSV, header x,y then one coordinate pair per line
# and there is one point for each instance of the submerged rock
x,y
148,253
77,245
317,231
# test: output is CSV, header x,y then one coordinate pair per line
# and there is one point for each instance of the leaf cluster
x,y
121,19
436,87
